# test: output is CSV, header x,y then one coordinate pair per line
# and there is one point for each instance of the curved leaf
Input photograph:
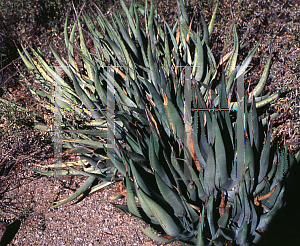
x,y
77,193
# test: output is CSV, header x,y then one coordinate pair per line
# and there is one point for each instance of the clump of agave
x,y
202,173
230,192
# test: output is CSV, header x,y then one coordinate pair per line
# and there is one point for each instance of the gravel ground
x,y
88,222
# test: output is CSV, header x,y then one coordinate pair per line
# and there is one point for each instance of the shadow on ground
x,y
11,231
285,227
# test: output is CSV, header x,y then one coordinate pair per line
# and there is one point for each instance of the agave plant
x,y
231,190
181,164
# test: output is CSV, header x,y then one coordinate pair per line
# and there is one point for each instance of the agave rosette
x,y
146,71
243,181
